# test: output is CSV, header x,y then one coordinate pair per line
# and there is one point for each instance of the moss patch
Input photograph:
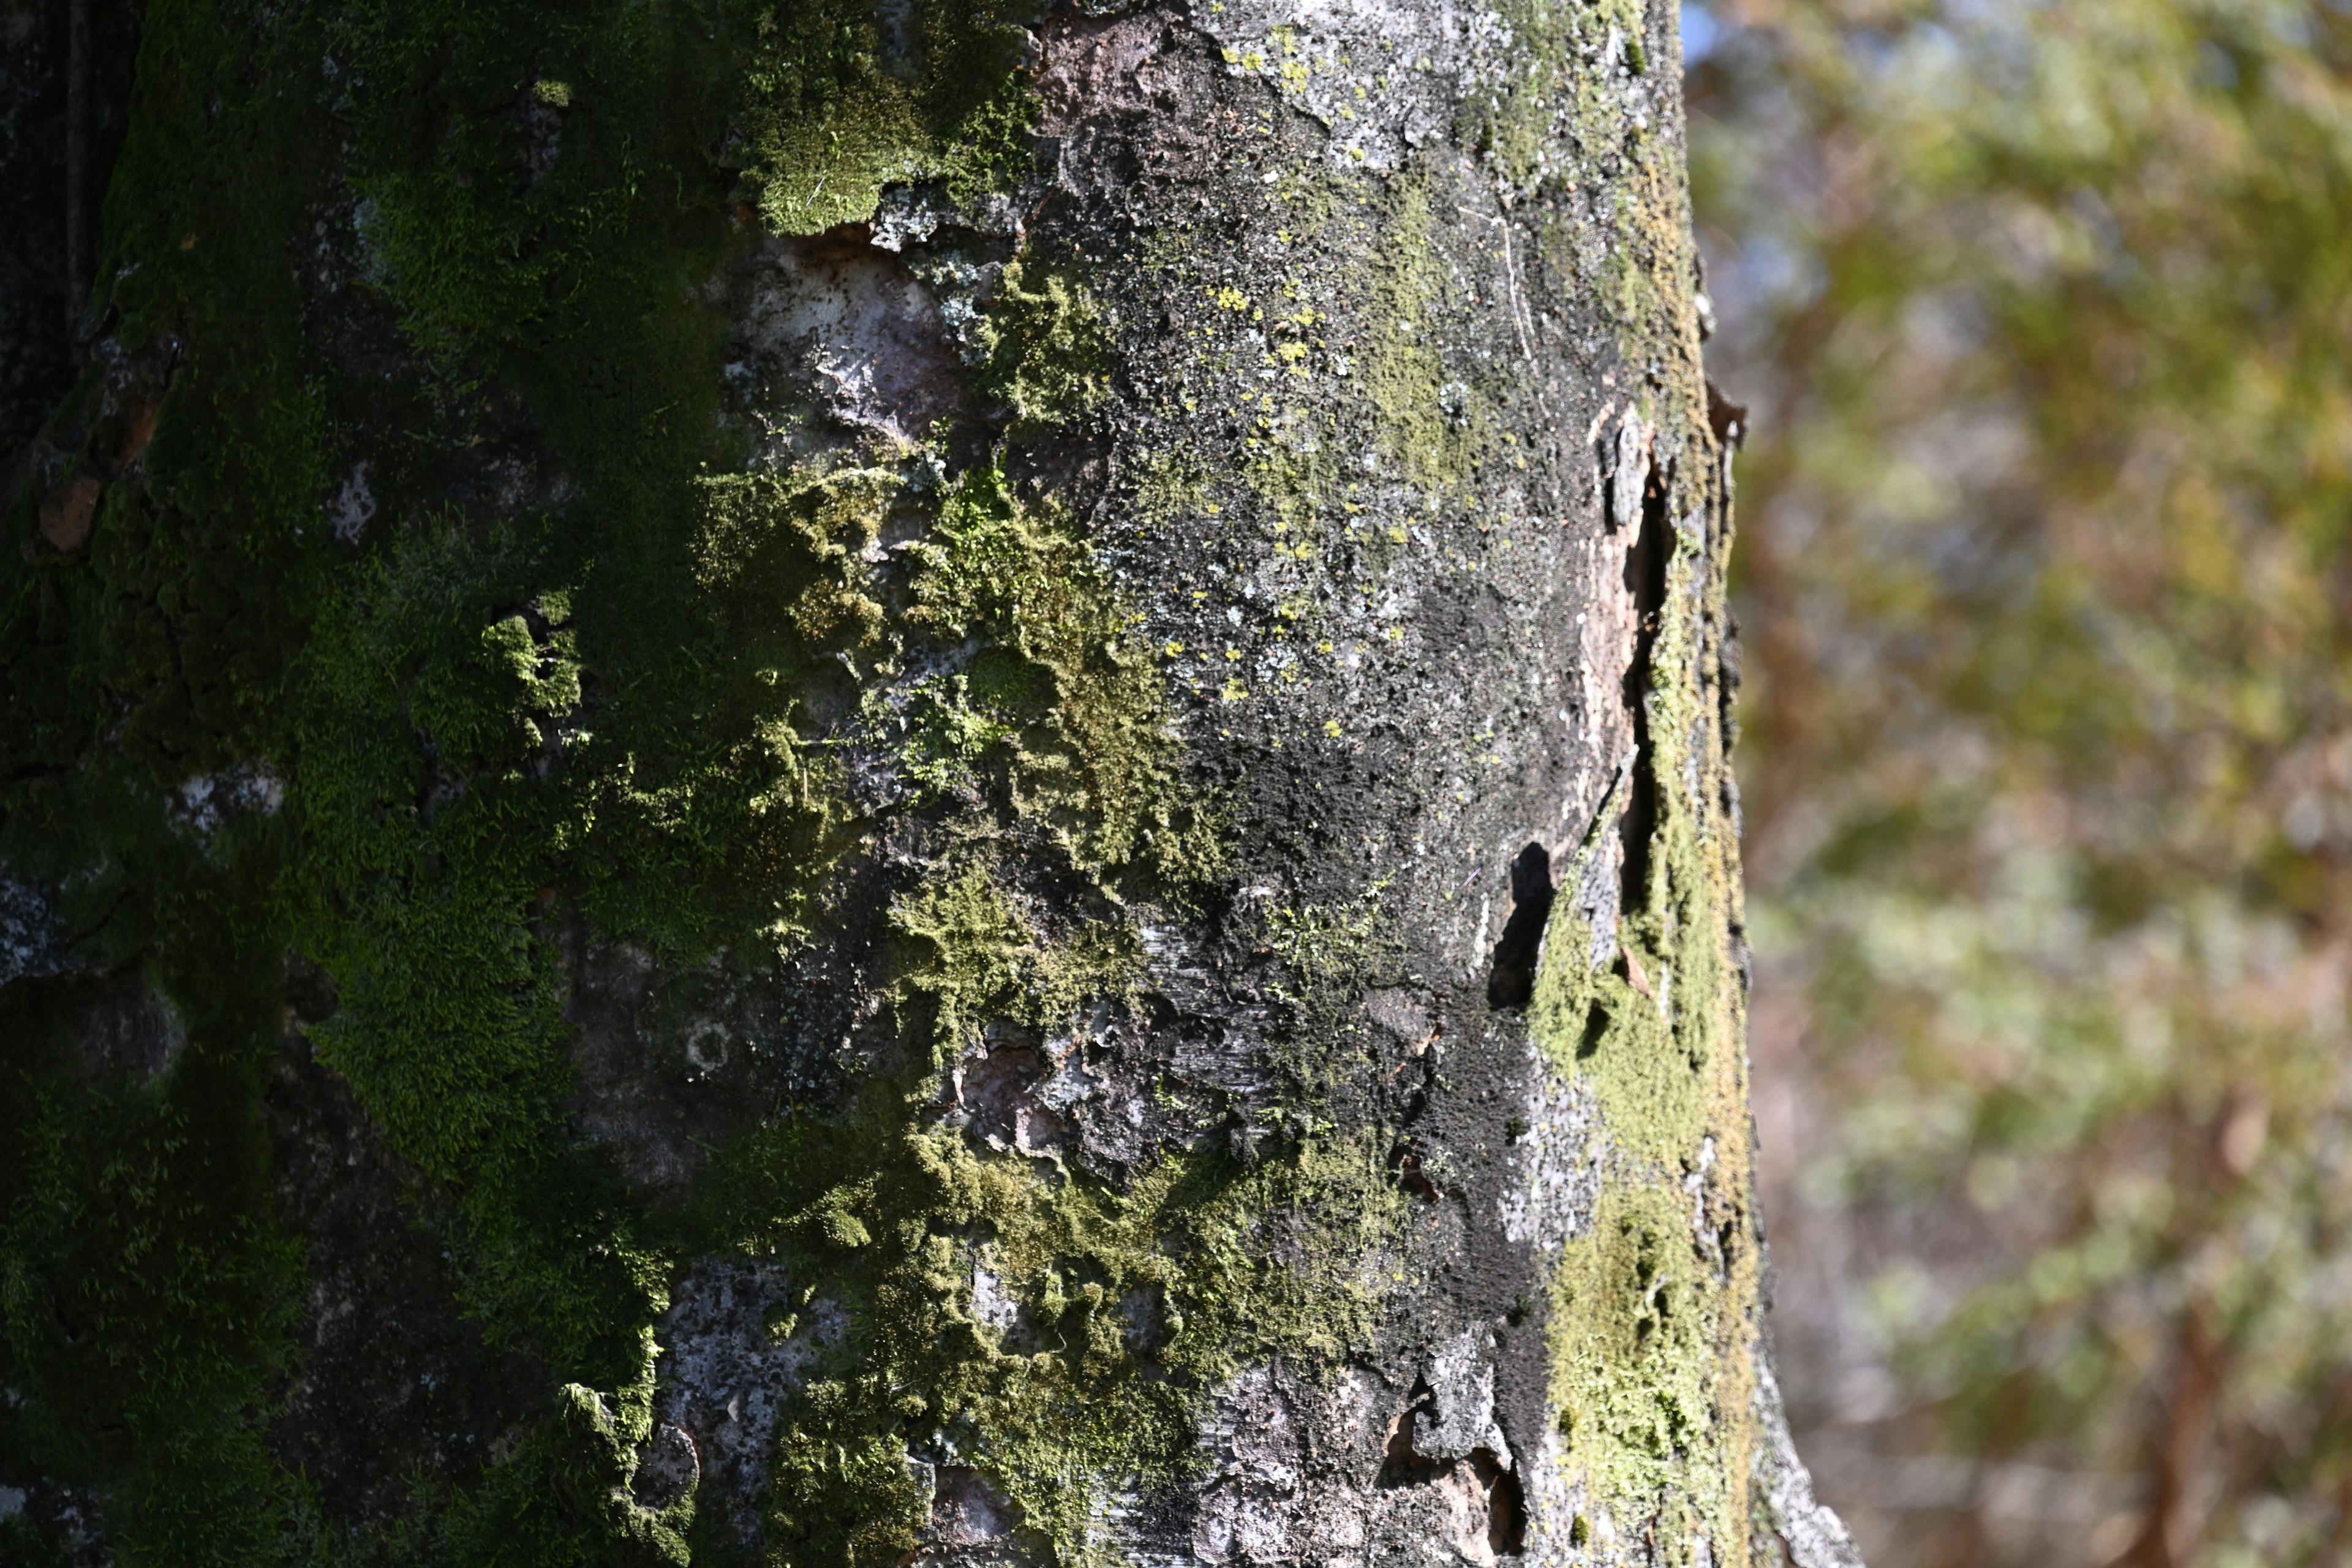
x,y
1631,1337
1430,425
1128,1310
847,98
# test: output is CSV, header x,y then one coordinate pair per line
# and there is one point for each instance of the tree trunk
x,y
831,781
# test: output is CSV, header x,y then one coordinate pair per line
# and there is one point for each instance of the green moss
x,y
1432,426
1295,476
1319,1048
968,955
845,101
1083,712
147,1303
148,1294
1597,1025
411,701
560,1499
1046,348
719,812
1632,1337
1649,1331
426,838
1138,1305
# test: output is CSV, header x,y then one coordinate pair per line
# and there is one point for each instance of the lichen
x,y
1432,425
1134,1307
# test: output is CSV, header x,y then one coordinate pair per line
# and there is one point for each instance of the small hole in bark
x,y
1403,1465
1410,1173
1511,976
1507,1508
1596,1025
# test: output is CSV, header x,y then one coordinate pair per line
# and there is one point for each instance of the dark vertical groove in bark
x,y
80,115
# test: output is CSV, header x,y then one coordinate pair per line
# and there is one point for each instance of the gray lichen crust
x,y
890,782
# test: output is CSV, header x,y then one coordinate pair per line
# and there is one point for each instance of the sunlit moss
x,y
844,100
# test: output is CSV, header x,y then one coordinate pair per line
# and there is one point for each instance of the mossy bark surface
x,y
830,782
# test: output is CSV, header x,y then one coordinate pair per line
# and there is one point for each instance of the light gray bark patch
x,y
994,1307
1383,75
31,943
972,1523
353,507
667,1469
1629,472
1257,1450
204,802
1557,1175
125,1029
847,326
1815,1537
1011,1091
735,1345
1594,872
1460,1417
993,1085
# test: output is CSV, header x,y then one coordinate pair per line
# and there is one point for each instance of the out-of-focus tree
x,y
2045,313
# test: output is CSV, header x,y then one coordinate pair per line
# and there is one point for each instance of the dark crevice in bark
x,y
1511,971
1404,1464
78,192
65,88
1645,581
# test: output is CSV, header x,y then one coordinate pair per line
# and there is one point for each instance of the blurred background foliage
x,y
2043,313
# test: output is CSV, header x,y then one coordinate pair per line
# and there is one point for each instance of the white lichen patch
x,y
736,1345
1558,1162
204,802
1460,1419
849,328
30,941
353,507
1384,76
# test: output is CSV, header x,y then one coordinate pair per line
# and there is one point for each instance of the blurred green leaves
x,y
2045,310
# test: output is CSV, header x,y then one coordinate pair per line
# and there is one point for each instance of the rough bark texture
x,y
813,781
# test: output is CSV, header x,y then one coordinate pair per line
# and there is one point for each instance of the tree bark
x,y
834,783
